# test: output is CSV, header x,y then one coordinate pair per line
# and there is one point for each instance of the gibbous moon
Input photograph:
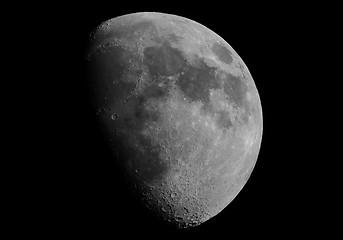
x,y
182,113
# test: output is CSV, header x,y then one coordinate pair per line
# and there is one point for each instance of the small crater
x,y
173,133
114,116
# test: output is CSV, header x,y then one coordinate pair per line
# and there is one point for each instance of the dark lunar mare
x,y
194,80
222,53
224,120
163,60
235,88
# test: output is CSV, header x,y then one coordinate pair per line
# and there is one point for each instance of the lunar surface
x,y
181,111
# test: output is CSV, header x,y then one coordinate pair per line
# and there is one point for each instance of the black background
x,y
76,192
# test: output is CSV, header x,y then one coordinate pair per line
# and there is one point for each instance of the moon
x,y
181,113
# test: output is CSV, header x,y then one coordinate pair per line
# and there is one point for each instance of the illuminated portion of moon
x,y
181,109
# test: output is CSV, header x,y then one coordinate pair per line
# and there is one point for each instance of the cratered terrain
x,y
181,113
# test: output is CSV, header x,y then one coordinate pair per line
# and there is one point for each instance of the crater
x,y
222,53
